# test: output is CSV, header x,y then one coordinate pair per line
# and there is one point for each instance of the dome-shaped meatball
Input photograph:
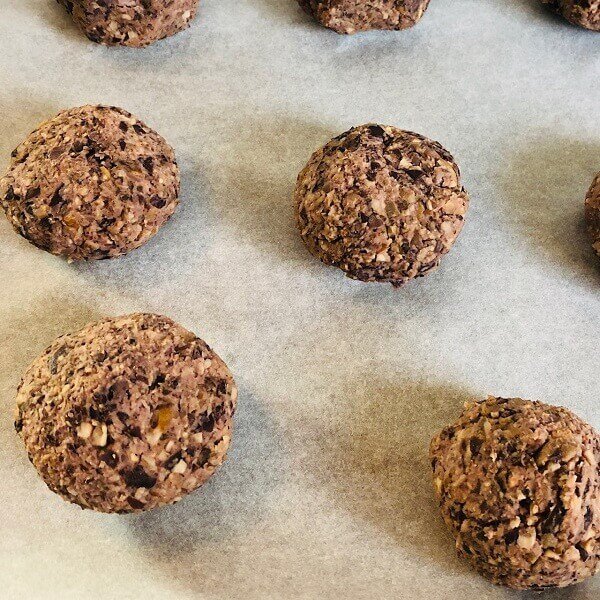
x,y
127,414
94,182
519,487
381,204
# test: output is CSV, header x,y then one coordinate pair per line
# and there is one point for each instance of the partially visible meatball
x,y
350,16
592,213
519,487
585,13
131,22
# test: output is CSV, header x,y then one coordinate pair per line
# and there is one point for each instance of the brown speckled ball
x,y
585,13
131,22
592,213
519,487
94,182
381,204
126,415
350,16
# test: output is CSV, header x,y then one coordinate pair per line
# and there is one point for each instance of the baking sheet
x,y
327,490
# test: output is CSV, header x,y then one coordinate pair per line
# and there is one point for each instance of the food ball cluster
x,y
127,414
592,213
133,22
585,13
519,487
94,182
381,204
350,16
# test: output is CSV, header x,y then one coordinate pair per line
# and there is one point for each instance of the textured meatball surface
x,y
351,16
94,182
585,13
128,414
519,487
131,22
382,204
592,213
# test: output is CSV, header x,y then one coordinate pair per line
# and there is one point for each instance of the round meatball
x,y
592,213
350,16
93,182
585,13
127,414
519,487
381,204
131,22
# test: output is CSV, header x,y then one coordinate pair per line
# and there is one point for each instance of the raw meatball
x,y
585,13
131,22
350,16
519,487
381,204
93,182
592,213
127,414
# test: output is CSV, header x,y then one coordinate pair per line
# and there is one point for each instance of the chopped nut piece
x,y
153,436
572,554
100,435
180,467
527,539
165,414
84,430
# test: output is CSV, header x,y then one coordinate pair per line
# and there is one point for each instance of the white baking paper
x,y
327,491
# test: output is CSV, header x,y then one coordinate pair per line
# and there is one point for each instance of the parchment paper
x,y
327,491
